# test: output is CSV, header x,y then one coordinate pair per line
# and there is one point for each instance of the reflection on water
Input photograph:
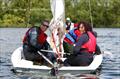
x,y
108,39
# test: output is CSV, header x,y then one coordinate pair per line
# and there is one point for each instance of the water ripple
x,y
108,39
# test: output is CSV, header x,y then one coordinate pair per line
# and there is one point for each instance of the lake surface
x,y
108,40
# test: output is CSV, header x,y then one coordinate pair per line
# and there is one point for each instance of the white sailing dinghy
x,y
19,62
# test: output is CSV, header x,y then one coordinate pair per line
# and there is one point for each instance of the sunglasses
x,y
45,25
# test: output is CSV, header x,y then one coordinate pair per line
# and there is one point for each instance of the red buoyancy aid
x,y
40,39
78,33
25,37
91,44
75,24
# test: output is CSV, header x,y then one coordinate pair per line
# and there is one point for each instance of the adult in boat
x,y
84,47
35,40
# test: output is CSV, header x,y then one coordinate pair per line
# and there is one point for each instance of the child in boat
x,y
70,39
69,25
35,40
84,48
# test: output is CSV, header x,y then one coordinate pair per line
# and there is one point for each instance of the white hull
x,y
22,64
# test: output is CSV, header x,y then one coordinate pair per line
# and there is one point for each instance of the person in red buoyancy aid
x,y
35,40
84,48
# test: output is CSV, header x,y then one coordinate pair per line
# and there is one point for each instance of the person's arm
x,y
46,45
33,38
97,51
95,33
82,39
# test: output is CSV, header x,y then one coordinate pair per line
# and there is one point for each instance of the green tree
x,y
20,13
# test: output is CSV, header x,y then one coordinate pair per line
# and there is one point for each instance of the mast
x,y
91,19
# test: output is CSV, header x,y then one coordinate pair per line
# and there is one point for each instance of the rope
x,y
57,52
53,24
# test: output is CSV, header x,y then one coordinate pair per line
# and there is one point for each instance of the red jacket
x,y
41,37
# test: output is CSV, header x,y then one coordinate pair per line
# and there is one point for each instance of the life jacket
x,y
77,33
26,36
75,24
72,36
90,45
41,36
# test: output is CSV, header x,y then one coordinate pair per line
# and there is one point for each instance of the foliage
x,y
22,13
11,20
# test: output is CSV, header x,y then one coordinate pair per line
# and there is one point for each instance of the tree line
x,y
23,13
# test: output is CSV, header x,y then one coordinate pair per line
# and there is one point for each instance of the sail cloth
x,y
56,26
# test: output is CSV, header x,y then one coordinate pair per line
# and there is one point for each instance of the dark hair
x,y
87,26
45,22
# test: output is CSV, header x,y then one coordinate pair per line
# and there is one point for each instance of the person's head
x,y
44,25
68,21
84,27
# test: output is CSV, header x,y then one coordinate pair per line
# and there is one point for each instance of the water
x,y
108,39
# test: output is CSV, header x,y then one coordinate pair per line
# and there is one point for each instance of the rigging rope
x,y
56,25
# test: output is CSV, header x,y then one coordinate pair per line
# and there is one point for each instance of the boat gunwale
x,y
48,68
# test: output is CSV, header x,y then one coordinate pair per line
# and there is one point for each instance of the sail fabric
x,y
56,25
58,12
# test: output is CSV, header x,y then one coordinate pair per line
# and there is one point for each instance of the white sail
x,y
56,25
58,12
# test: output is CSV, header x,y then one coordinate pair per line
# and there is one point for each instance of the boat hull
x,y
47,71
22,65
